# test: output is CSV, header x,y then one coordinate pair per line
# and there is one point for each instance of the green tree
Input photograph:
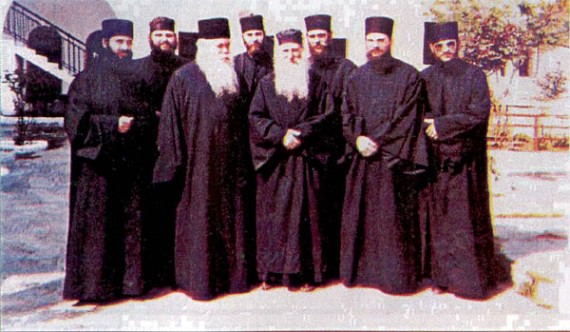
x,y
17,81
545,25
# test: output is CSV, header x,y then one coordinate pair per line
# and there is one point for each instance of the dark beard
x,y
107,53
383,64
453,67
324,58
262,57
254,49
160,56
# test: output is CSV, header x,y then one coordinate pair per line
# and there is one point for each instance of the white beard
x,y
220,74
291,79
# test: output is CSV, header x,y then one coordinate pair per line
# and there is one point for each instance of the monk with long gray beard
x,y
196,142
283,129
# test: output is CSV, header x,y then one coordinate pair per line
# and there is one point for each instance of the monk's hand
x,y
291,140
366,146
125,123
430,130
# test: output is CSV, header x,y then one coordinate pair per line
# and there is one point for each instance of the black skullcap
x,y
116,27
379,24
93,42
93,46
253,22
442,31
322,22
187,44
290,36
161,23
214,28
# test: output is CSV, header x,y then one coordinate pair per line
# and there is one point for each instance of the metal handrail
x,y
20,21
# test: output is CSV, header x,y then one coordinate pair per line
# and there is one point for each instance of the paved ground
x,y
531,208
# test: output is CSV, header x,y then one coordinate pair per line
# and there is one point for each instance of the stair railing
x,y
20,21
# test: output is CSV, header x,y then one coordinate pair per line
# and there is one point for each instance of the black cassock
x,y
153,73
250,70
288,213
329,76
199,142
111,175
379,235
459,247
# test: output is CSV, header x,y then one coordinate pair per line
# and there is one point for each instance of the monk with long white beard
x,y
283,129
216,63
200,147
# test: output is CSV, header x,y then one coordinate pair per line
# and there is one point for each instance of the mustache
x,y
255,44
376,49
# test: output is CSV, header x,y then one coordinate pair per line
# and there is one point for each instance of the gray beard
x,y
291,80
220,75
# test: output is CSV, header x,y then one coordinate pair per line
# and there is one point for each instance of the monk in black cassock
x,y
153,73
197,142
284,127
381,120
111,172
329,75
459,247
253,64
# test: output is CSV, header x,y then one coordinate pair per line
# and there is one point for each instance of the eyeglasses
x,y
447,43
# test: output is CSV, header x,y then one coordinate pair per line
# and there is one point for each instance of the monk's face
x,y
253,40
377,44
163,40
121,45
318,40
444,50
220,49
291,52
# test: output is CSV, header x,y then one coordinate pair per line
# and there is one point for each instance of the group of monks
x,y
280,166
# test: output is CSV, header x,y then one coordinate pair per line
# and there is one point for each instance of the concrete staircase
x,y
41,61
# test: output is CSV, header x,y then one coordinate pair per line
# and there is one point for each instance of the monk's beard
x,y
291,79
219,73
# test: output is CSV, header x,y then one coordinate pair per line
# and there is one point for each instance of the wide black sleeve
x,y
352,124
90,134
474,114
171,145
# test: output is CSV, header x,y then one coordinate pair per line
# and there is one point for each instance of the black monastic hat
x,y
290,36
161,23
322,22
213,28
253,22
115,27
442,31
379,24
